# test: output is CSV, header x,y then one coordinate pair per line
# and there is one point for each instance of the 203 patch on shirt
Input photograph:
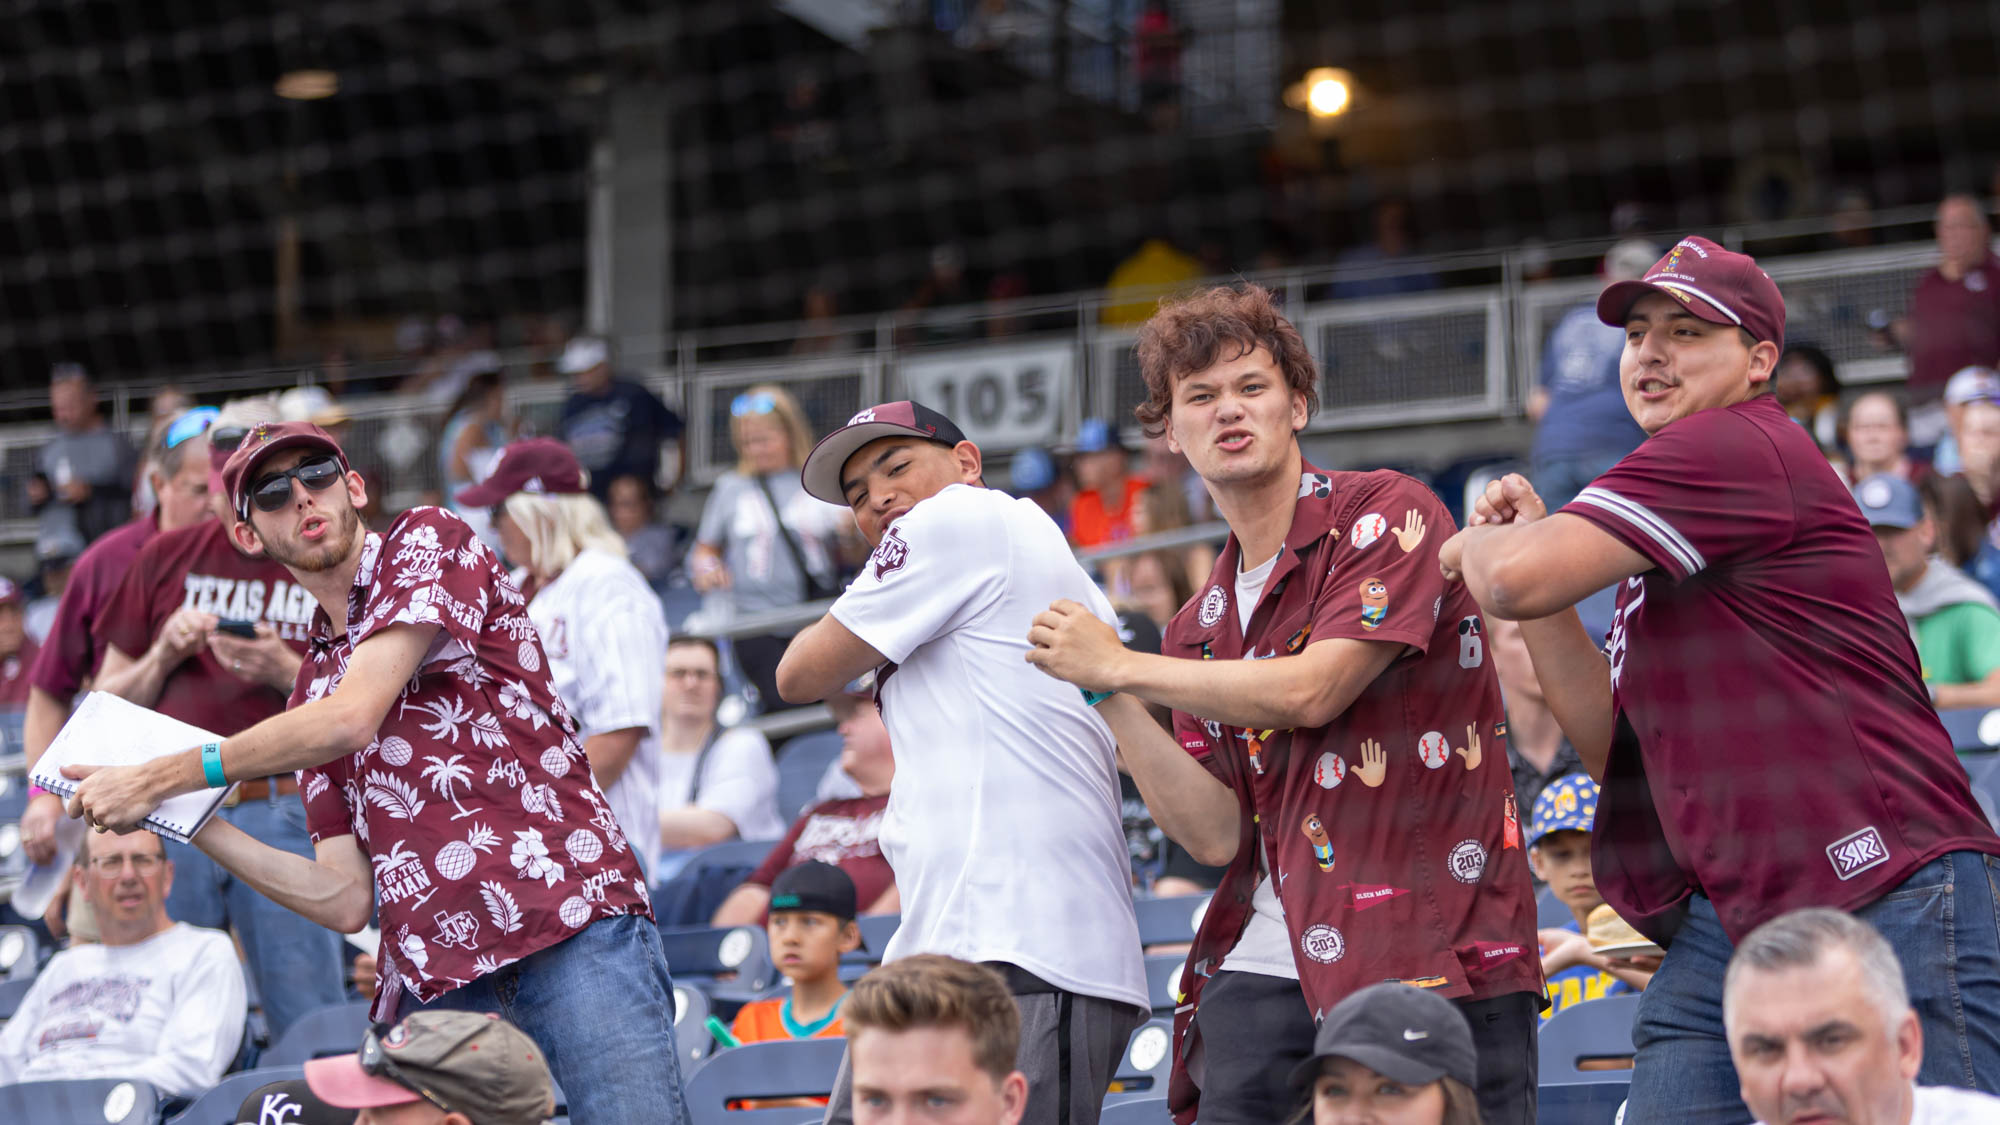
x,y
1855,853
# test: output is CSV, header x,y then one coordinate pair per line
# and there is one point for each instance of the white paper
x,y
38,887
106,730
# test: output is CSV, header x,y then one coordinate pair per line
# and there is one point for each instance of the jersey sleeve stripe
x,y
1643,520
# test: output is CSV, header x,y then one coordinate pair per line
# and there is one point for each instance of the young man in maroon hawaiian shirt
x,y
1340,741
1757,719
443,781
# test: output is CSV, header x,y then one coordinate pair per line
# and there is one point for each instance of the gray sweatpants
x,y
1070,1047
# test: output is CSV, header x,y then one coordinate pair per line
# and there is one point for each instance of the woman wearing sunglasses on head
x,y
763,543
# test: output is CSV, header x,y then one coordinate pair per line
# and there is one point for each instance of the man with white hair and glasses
x,y
1821,1029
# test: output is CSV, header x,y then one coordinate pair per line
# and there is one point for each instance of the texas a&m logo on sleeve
x,y
890,554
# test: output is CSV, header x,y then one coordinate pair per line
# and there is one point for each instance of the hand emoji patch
x,y
1411,533
1374,767
1470,751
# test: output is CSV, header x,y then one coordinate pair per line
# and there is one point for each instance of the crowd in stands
x,y
139,584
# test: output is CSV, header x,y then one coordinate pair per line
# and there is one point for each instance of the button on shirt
x,y
1775,746
488,837
1003,826
1391,832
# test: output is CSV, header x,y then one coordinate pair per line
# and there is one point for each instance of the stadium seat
x,y
1142,1069
1580,1103
20,953
11,992
1168,921
690,1026
1550,913
777,1069
1136,1111
1970,728
802,761
1163,978
218,1106
876,930
1984,772
731,853
335,1029
83,1101
1594,1029
705,954
678,603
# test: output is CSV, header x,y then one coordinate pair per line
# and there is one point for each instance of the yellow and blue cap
x,y
1567,804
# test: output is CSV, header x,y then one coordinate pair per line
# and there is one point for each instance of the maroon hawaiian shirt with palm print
x,y
489,837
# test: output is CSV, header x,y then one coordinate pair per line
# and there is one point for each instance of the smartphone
x,y
237,627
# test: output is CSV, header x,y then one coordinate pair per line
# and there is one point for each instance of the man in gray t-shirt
x,y
83,476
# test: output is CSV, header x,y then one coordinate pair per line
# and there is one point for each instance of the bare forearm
x,y
743,906
136,681
1576,682
305,737
1985,693
1283,693
610,753
692,827
1199,812
324,894
45,716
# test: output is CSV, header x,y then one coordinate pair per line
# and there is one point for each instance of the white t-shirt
x,y
606,638
1003,821
1265,946
1949,1105
168,1011
740,781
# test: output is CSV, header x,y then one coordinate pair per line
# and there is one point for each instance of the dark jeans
x,y
1944,924
1255,1029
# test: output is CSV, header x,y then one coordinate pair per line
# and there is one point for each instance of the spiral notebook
x,y
106,730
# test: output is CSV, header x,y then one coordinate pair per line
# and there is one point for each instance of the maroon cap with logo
x,y
259,444
1719,286
541,466
821,475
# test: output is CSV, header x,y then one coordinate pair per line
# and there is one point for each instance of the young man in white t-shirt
x,y
1003,821
154,1000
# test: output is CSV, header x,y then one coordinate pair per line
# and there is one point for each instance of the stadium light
x,y
1324,92
307,85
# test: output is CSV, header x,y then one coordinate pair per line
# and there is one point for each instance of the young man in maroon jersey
x,y
1758,720
1338,738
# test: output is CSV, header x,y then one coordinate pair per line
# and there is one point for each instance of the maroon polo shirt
x,y
1953,324
1775,747
197,568
71,654
1391,831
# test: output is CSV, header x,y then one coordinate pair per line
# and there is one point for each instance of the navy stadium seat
x,y
776,1069
876,930
801,763
1550,912
11,993
218,1105
1163,975
731,853
335,1029
1143,1068
83,1101
1969,728
1580,1103
1136,1111
691,1033
20,953
1594,1029
1170,920
705,954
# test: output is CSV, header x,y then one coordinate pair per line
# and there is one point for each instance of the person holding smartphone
x,y
205,633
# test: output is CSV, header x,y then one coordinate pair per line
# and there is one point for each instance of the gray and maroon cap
x,y
821,475
1717,285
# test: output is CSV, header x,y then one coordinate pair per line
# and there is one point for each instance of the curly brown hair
x,y
1197,332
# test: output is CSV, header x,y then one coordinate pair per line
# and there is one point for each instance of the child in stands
x,y
811,925
1559,851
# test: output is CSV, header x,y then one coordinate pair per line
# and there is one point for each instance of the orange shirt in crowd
x,y
1093,525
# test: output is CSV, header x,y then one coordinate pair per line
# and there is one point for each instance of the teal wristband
x,y
211,764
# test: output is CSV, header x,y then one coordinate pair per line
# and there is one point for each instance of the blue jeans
x,y
298,964
1944,924
601,1007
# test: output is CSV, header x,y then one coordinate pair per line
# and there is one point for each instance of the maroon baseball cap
x,y
541,466
10,594
821,475
263,440
1719,286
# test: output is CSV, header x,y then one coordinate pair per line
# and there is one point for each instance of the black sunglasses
x,y
376,1063
274,490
